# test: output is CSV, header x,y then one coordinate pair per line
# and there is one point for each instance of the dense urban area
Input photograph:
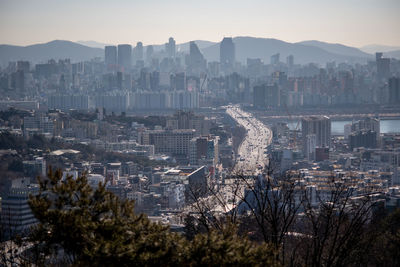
x,y
288,153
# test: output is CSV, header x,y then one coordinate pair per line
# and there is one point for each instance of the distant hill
x,y
264,48
373,48
246,47
92,44
184,47
392,54
337,49
57,49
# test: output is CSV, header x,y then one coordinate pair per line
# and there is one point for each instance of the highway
x,y
252,153
251,158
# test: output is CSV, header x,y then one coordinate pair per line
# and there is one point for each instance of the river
x,y
337,127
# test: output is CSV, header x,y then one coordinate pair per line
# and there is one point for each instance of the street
x,y
252,151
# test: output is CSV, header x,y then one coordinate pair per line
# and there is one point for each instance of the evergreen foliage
x,y
79,225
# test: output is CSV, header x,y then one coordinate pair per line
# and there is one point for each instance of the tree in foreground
x,y
331,228
85,226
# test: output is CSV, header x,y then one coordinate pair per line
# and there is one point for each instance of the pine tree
x,y
79,225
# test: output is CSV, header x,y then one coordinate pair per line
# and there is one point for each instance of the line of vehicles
x,y
252,154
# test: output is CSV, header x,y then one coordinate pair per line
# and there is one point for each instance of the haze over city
x,y
200,133
355,22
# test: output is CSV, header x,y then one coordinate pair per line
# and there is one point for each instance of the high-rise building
x,y
318,126
138,52
178,81
188,120
367,124
382,66
275,59
170,47
149,53
125,57
110,58
18,81
394,90
363,138
259,96
266,96
169,141
195,60
290,61
227,54
23,65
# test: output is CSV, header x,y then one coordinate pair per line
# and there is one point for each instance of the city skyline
x,y
153,22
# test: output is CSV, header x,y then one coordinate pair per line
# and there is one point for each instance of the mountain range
x,y
246,47
56,49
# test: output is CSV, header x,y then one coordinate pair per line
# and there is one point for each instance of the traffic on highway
x,y
252,154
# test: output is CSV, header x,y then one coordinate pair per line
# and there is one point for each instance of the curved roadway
x,y
252,153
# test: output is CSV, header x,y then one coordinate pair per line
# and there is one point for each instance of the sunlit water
x,y
337,127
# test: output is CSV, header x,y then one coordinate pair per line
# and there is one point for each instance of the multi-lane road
x,y
251,158
252,153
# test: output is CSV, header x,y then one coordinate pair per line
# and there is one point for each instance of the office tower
x,y
138,52
394,90
346,80
178,81
110,58
259,96
175,142
275,59
149,53
154,80
290,61
119,80
125,57
367,124
195,60
18,81
382,66
170,47
254,67
227,54
188,120
266,96
194,52
367,139
318,126
24,66
213,69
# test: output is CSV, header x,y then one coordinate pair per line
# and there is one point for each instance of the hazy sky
x,y
351,22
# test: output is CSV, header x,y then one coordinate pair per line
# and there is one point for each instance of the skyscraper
x,y
318,126
275,59
110,57
170,47
227,54
290,61
149,53
382,66
259,96
195,61
125,57
138,51
266,96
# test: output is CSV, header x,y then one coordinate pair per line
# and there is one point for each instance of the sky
x,y
350,22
